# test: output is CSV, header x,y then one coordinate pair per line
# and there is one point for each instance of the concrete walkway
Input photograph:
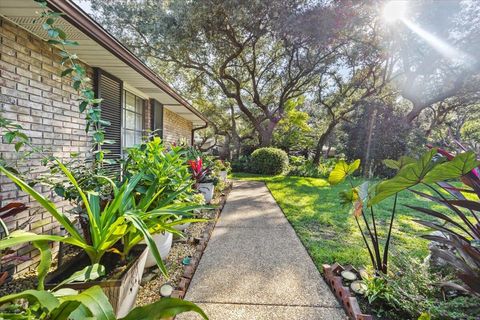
x,y
255,267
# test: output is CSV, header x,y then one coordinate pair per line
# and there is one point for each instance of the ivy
x,y
80,81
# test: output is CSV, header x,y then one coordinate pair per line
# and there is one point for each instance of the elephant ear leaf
x,y
342,170
425,170
459,166
410,175
398,164
164,308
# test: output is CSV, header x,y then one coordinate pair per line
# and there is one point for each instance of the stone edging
x,y
189,271
343,294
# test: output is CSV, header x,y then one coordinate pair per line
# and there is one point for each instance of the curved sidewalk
x,y
255,266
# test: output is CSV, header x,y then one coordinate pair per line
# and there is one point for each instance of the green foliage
x,y
81,82
241,165
342,170
269,161
292,132
412,291
301,167
107,226
164,169
376,132
427,169
89,304
378,289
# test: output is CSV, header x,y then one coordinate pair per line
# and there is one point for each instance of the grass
x,y
328,230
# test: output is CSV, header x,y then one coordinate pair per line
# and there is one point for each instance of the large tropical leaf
x,y
46,299
342,170
164,308
142,228
95,301
86,274
459,166
45,203
45,261
425,170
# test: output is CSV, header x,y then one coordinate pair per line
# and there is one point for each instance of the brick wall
x,y
176,128
33,95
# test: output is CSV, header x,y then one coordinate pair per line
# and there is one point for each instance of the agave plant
x,y
434,170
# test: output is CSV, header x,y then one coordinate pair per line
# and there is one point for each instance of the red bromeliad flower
x,y
196,165
198,172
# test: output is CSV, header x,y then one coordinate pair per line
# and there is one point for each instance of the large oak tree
x,y
261,54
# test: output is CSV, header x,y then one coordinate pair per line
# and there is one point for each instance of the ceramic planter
x,y
223,175
121,290
181,227
206,189
164,244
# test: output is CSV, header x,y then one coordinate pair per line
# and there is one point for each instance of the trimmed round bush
x,y
269,161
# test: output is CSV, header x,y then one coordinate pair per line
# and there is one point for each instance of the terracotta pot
x,y
164,244
206,189
121,291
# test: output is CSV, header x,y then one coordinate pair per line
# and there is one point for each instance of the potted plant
x,y
222,168
204,183
122,220
92,303
168,176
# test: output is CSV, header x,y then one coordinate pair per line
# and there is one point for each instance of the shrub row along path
x,y
255,266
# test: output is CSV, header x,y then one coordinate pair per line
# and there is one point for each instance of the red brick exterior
x,y
34,95
176,128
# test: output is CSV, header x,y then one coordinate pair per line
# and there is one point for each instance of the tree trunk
x,y
321,142
266,134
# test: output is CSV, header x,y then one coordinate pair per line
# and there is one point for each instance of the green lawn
x,y
329,231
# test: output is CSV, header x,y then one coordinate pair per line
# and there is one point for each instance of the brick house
x,y
32,93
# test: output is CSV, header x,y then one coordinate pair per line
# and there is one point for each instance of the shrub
x,y
411,289
301,167
241,165
269,161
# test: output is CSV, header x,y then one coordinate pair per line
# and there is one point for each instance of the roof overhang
x,y
98,48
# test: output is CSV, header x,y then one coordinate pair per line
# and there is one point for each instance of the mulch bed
x,y
196,237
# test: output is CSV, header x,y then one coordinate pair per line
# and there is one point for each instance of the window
x,y
132,120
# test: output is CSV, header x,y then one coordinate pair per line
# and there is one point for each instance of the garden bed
x,y
193,245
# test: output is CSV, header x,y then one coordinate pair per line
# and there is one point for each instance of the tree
x,y
293,131
261,54
435,49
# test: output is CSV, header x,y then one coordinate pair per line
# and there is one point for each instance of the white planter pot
x,y
206,189
223,176
163,242
181,227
